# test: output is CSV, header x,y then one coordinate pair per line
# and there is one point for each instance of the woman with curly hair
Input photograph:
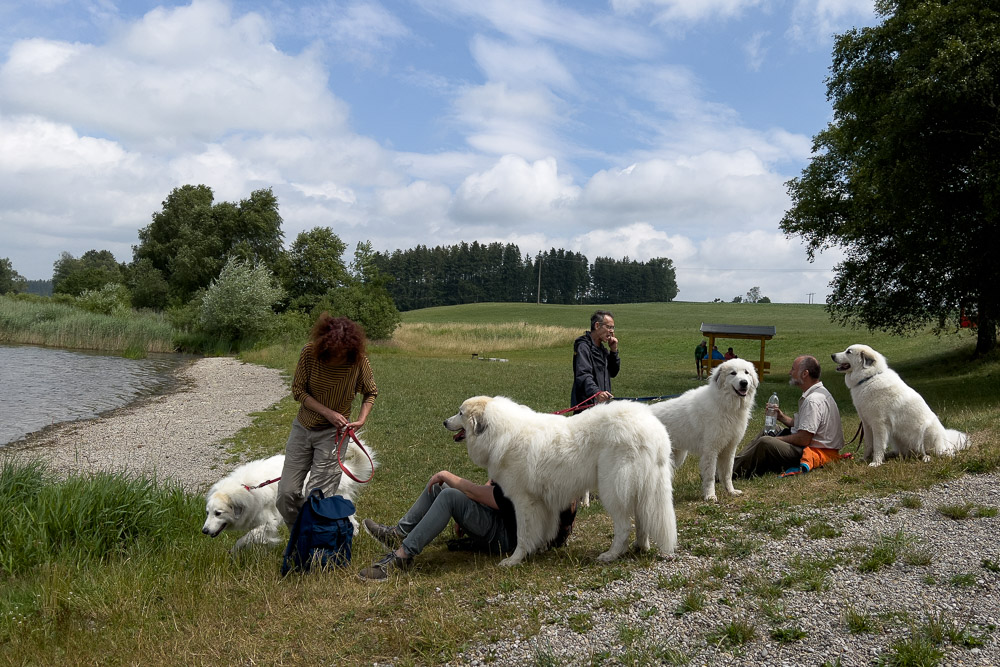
x,y
332,368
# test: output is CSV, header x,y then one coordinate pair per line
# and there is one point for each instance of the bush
x,y
369,305
111,299
238,303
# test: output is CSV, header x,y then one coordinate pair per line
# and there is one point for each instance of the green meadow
x,y
159,592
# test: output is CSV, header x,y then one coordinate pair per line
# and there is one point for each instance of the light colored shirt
x,y
818,414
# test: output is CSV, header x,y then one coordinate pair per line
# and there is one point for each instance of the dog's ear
x,y
867,359
718,377
238,509
477,423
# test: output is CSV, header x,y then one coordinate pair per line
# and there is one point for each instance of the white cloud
x,y
639,241
520,65
190,73
755,50
519,193
669,11
814,22
706,192
501,119
535,20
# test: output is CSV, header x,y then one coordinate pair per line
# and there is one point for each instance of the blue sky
x,y
638,128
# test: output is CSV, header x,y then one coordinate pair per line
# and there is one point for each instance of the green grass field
x,y
185,600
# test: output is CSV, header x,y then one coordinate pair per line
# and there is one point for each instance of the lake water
x,y
40,386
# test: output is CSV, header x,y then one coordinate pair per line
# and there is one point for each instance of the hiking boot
x,y
389,537
379,570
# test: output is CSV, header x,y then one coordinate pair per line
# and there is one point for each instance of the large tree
x,y
92,271
190,239
10,280
906,178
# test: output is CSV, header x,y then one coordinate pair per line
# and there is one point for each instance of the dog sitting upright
x,y
895,418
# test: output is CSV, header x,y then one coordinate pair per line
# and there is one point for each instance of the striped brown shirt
x,y
334,385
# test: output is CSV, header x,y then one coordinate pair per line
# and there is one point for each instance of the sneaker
x,y
389,537
379,570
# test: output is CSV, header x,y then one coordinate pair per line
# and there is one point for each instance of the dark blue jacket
x,y
593,368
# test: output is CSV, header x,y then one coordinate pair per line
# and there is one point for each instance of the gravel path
x,y
633,620
175,435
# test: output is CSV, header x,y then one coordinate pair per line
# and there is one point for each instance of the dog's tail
x,y
656,508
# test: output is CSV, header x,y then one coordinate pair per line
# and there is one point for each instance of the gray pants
x,y
310,453
764,455
436,507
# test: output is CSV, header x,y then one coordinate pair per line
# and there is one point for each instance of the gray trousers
x,y
310,453
764,455
436,507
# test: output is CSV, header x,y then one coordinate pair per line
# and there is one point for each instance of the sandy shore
x,y
175,435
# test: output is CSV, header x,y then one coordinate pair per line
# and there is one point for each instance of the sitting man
x,y
815,436
482,512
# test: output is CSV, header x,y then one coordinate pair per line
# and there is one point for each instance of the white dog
x,y
544,462
230,505
895,418
710,421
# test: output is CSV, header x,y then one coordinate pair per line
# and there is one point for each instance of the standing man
x,y
699,354
814,437
593,364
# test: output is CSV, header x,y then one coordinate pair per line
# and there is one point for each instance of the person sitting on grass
x,y
814,436
483,513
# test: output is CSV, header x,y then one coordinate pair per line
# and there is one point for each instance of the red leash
x,y
340,443
582,405
270,481
350,432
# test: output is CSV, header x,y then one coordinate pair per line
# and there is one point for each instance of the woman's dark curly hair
x,y
334,338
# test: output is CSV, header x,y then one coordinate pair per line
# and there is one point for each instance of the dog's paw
x,y
926,458
711,498
736,492
510,561
874,464
607,557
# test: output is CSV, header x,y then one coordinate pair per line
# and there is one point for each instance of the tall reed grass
x,y
61,325
478,338
82,519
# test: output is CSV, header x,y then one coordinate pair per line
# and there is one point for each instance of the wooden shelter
x,y
742,332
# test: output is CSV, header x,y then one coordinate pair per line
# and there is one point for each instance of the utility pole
x,y
539,302
810,295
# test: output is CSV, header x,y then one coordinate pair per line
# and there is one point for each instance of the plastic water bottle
x,y
771,415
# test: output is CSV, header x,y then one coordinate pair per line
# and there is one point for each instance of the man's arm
x,y
481,493
583,368
800,438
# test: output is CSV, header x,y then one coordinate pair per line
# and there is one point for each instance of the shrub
x,y
370,305
111,299
238,303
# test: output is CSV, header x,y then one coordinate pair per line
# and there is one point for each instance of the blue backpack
x,y
321,536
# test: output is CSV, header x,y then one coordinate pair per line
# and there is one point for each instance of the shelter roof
x,y
731,330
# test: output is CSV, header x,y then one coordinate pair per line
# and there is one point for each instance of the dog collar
x,y
866,380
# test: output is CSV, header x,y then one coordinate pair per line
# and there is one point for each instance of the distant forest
x,y
39,287
471,273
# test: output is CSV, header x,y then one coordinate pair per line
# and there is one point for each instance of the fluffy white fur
x,y
230,506
894,416
544,462
710,421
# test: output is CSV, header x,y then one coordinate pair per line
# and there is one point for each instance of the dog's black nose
x,y
743,384
834,356
205,530
445,422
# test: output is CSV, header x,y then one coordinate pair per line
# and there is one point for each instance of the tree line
x,y
473,272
